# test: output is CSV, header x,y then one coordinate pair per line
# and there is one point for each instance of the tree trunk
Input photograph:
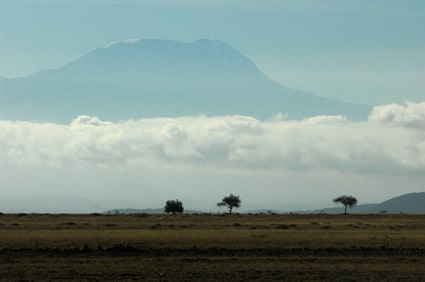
x,y
230,210
345,210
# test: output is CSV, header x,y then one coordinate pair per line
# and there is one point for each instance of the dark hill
x,y
407,203
413,203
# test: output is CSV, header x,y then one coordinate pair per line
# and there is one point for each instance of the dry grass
x,y
212,247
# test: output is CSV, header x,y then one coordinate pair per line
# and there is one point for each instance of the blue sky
x,y
369,52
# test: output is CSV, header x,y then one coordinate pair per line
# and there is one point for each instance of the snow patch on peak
x,y
128,41
111,44
132,40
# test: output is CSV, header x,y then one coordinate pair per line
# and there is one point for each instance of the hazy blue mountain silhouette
x,y
407,203
150,78
413,203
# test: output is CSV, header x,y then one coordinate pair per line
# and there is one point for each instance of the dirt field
x,y
212,247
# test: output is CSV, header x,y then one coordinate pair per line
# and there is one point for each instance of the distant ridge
x,y
151,78
411,203
407,203
143,211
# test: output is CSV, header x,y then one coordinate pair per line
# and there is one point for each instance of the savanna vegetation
x,y
231,202
215,247
173,206
346,201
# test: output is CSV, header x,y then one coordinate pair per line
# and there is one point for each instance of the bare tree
x,y
230,202
173,206
347,201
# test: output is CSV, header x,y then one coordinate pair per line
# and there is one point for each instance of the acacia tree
x,y
231,202
347,201
173,206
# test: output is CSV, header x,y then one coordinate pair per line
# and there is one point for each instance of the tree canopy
x,y
231,201
173,206
347,201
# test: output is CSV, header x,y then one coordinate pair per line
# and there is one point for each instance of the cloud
x,y
89,121
391,141
410,115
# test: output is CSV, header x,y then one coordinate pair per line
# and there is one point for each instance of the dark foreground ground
x,y
212,247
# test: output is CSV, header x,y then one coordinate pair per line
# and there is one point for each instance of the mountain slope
x,y
406,203
146,78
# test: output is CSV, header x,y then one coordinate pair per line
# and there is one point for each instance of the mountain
x,y
407,203
413,203
148,78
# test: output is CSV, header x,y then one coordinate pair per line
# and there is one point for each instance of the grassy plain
x,y
212,247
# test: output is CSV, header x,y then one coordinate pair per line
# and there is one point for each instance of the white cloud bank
x,y
231,151
392,139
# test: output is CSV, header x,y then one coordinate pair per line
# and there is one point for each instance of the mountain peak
x,y
201,48
156,77
133,60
